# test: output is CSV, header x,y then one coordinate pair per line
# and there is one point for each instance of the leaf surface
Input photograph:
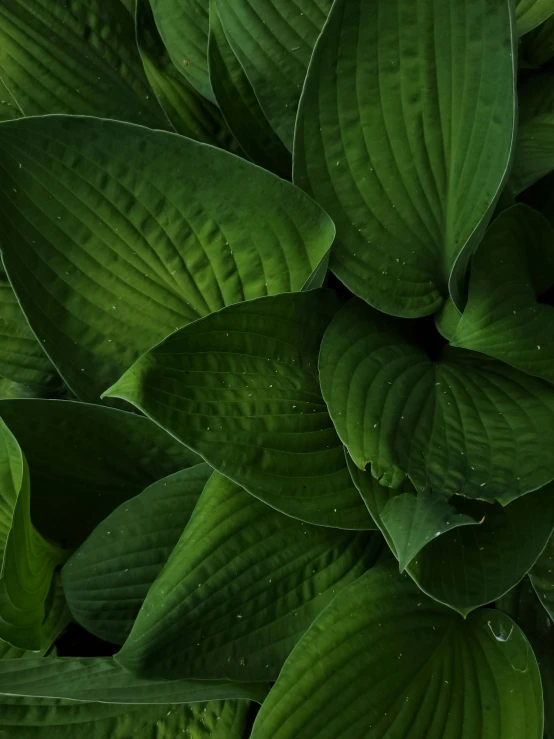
x,y
542,578
531,13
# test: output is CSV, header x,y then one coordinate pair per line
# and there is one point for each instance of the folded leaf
x,y
240,388
107,578
183,27
406,667
189,113
531,13
241,587
542,578
404,135
27,560
96,459
512,269
461,424
61,57
273,41
239,104
100,679
469,566
119,235
534,150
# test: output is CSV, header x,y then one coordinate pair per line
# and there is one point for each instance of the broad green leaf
x,y
403,412
531,13
189,113
471,566
534,150
9,107
404,135
107,578
183,26
404,666
537,47
119,235
542,578
100,679
10,390
273,41
241,587
73,57
85,460
22,359
239,104
27,560
44,718
512,269
240,387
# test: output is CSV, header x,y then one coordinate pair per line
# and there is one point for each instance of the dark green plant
x,y
277,369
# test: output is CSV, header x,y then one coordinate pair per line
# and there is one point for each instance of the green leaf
x,y
107,578
273,41
400,410
183,27
542,578
96,459
470,566
27,560
239,104
81,58
240,388
189,113
531,13
404,135
22,359
43,718
10,390
120,235
241,587
406,667
537,47
513,267
100,679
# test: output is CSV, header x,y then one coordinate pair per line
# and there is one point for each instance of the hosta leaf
x,y
470,566
88,459
406,667
183,27
513,267
10,390
188,111
22,359
534,151
118,235
108,577
240,388
542,577
463,423
66,56
100,679
27,560
531,13
239,104
404,135
537,47
241,587
43,718
273,41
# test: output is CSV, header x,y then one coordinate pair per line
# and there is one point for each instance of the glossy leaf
x,y
273,41
534,151
512,269
183,27
189,113
239,104
404,135
59,56
531,13
77,466
107,578
470,566
27,560
406,667
459,424
542,578
100,679
118,235
240,388
241,587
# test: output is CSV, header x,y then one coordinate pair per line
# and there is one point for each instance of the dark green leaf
x,y
534,151
531,13
542,578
